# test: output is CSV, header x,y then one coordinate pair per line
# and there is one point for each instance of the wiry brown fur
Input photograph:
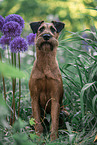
x,y
45,82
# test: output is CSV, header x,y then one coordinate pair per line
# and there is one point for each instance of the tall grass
x,y
80,82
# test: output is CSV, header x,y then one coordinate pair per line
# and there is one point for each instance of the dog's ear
x,y
58,25
35,25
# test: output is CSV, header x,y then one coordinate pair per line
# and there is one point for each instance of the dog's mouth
x,y
46,46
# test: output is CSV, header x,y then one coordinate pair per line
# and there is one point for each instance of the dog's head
x,y
47,34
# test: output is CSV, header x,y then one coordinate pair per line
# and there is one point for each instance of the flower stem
x,y
4,88
8,53
13,57
3,81
14,87
12,99
19,85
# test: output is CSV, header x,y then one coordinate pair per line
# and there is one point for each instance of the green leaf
x,y
94,103
22,139
85,87
10,71
71,138
92,8
3,107
71,135
68,127
32,121
69,78
70,50
56,143
79,73
19,124
33,136
67,65
82,65
94,72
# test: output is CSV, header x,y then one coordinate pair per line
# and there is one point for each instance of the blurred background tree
x,y
75,13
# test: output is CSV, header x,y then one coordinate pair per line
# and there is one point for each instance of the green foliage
x,y
71,134
94,102
18,134
85,87
80,82
10,71
32,121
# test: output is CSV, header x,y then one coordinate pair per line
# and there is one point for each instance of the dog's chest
x,y
45,87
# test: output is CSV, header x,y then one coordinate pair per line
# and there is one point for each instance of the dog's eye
x,y
52,29
41,29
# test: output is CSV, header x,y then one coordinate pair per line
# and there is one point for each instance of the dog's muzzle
x,y
46,42
46,36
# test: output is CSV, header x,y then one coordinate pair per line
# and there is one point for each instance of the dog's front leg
x,y
55,110
36,114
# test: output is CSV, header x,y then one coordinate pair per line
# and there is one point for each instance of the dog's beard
x,y
46,46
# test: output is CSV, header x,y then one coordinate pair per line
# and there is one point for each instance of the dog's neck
x,y
46,60
47,55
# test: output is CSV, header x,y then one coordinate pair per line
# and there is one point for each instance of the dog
x,y
45,84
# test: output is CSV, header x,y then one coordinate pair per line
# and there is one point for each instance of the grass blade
x,y
94,103
79,73
85,87
9,71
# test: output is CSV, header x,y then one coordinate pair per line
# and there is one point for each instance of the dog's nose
x,y
46,36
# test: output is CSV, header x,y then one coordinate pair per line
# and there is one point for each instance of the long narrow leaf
x,y
70,49
94,72
94,103
70,79
85,87
9,71
79,73
82,64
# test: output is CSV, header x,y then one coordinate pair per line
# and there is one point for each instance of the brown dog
x,y
45,84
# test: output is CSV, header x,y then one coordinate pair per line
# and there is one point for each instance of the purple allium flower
x,y
30,38
16,18
18,44
5,41
1,22
12,29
